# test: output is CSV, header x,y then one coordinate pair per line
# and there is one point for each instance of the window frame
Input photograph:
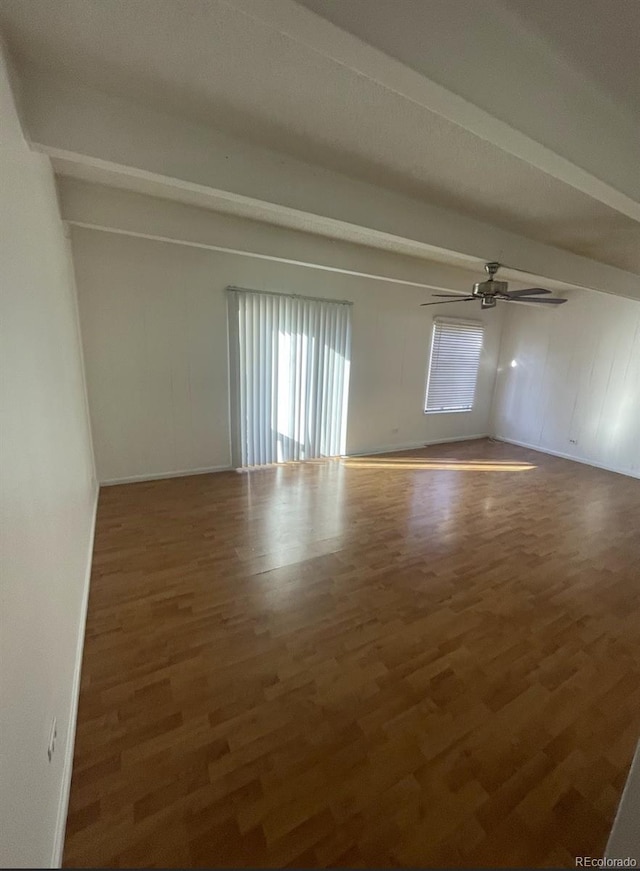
x,y
443,321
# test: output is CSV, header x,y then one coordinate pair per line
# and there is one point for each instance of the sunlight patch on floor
x,y
436,464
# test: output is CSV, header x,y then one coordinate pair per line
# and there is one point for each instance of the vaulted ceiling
x,y
522,117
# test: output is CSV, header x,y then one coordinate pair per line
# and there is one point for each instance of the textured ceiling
x,y
205,60
446,39
601,38
497,59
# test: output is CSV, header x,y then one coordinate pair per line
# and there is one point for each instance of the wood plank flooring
x,y
429,658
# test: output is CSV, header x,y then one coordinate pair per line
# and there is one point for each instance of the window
x,y
453,365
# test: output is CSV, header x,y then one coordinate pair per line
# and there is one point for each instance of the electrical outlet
x,y
53,734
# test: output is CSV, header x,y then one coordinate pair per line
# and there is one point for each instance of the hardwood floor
x,y
429,658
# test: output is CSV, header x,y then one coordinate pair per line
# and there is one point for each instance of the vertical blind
x,y
291,374
453,365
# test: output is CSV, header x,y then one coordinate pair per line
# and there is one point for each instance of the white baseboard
x,y
63,803
629,472
159,476
413,445
184,473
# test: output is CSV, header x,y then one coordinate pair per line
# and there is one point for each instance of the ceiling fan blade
x,y
453,299
554,301
448,295
528,291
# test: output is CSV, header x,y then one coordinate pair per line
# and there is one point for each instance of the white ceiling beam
x,y
622,143
89,132
107,208
101,204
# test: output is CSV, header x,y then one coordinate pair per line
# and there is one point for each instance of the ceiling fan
x,y
488,292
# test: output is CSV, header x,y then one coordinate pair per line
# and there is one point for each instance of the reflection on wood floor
x,y
429,658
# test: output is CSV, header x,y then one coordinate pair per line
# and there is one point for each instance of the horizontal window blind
x,y
453,365
292,360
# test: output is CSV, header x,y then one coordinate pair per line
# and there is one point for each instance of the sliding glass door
x,y
290,359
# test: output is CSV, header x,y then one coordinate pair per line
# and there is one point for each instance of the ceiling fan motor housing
x,y
489,288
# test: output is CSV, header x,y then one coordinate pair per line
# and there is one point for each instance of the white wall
x,y
625,835
47,502
575,388
154,327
